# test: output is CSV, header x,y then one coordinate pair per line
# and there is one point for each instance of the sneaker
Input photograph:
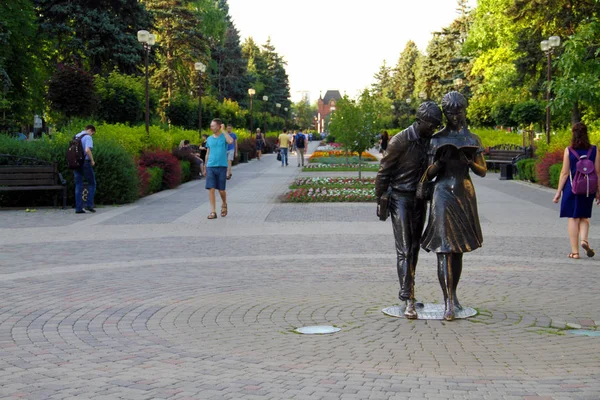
x,y
79,212
90,209
298,165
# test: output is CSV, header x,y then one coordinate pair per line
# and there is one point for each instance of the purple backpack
x,y
585,181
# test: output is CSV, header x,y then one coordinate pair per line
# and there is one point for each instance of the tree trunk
x,y
575,114
359,165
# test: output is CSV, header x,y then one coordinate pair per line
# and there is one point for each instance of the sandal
x,y
588,250
212,215
574,255
223,210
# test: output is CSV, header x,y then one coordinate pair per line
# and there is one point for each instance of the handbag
x,y
278,155
383,208
425,187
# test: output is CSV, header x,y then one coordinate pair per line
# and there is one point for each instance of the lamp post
x,y
265,99
393,108
278,107
251,93
548,47
286,115
147,40
201,68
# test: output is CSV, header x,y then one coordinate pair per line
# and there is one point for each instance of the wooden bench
x,y
504,157
26,174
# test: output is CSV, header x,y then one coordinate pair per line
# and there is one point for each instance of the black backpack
x,y
300,140
75,153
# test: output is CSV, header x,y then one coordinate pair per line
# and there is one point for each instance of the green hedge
x,y
526,169
155,179
555,175
186,171
116,172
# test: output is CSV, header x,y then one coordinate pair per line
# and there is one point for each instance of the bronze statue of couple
x,y
418,158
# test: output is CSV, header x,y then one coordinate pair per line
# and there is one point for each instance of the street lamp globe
x,y
251,92
142,36
392,107
285,109
408,100
151,40
200,67
554,41
265,98
277,105
545,45
422,95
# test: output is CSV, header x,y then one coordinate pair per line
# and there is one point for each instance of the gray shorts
x,y
230,155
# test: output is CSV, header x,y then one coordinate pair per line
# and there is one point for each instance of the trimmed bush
x,y
185,171
167,162
526,169
542,169
116,176
155,179
555,175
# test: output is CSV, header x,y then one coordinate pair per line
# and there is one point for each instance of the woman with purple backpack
x,y
578,186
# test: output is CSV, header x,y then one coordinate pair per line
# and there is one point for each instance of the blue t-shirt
x,y
218,151
232,145
86,142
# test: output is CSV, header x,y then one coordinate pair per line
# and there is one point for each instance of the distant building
x,y
324,108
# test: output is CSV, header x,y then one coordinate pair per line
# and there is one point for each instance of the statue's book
x,y
469,149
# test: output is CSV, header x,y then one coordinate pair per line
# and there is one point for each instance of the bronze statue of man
x,y
401,169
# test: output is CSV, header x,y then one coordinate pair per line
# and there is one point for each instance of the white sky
x,y
343,44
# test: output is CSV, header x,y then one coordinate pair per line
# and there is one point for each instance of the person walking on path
x,y
232,150
260,143
301,143
283,141
216,166
401,169
383,142
577,207
86,171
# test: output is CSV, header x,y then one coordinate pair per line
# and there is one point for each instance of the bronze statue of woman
x,y
453,227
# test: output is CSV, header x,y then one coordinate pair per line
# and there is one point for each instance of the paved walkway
x,y
154,301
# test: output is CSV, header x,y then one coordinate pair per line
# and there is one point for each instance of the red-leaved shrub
x,y
165,161
542,168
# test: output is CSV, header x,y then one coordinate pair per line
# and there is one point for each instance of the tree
x,y
95,35
71,92
405,73
383,81
21,72
229,72
356,124
304,113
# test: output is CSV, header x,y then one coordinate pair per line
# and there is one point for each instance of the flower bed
x,y
340,167
341,154
313,195
333,182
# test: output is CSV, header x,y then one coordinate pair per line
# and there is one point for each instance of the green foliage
x,y
406,71
526,169
502,114
98,36
555,175
71,92
304,113
155,180
122,98
116,175
491,137
185,170
528,112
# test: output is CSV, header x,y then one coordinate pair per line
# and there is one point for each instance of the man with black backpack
x,y
81,160
300,142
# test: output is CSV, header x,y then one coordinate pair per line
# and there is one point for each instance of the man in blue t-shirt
x,y
216,166
232,150
86,171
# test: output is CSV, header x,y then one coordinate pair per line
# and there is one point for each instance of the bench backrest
x,y
28,175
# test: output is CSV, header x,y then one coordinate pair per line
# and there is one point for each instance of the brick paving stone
x,y
164,304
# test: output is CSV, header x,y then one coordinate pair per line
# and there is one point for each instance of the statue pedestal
x,y
429,311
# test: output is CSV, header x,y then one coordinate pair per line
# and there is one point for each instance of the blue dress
x,y
573,205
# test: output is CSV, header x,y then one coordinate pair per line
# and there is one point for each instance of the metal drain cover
x,y
317,330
